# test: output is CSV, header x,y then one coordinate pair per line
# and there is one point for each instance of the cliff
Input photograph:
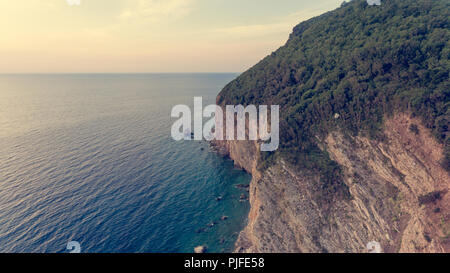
x,y
364,143
399,196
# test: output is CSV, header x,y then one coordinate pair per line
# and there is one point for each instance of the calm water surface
x,y
90,158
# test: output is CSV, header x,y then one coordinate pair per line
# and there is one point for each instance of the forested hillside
x,y
347,70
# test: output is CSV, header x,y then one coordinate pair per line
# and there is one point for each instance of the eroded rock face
x,y
399,196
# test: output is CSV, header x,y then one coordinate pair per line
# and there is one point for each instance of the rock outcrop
x,y
398,195
354,72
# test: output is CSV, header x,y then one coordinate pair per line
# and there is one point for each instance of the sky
x,y
146,36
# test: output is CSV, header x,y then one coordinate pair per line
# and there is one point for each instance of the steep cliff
x,y
399,196
364,145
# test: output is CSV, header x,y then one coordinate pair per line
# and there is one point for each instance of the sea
x,y
89,158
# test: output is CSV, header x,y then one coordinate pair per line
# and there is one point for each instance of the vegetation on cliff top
x,y
361,62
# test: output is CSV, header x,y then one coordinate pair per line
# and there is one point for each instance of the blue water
x,y
90,158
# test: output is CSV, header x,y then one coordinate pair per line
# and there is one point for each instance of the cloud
x,y
73,2
282,25
157,10
255,30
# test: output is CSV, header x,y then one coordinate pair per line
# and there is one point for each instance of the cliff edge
x,y
364,144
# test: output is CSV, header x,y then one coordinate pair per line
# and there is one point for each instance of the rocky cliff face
x,y
399,196
346,71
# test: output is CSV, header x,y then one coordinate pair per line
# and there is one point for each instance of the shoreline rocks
x,y
200,249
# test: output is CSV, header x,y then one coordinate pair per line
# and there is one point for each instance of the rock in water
x,y
200,249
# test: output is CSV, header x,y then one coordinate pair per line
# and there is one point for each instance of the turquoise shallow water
x,y
90,158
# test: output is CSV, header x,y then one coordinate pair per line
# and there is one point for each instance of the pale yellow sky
x,y
114,36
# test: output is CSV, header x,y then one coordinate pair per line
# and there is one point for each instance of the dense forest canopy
x,y
361,62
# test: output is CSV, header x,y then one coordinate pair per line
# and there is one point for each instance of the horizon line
x,y
111,73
